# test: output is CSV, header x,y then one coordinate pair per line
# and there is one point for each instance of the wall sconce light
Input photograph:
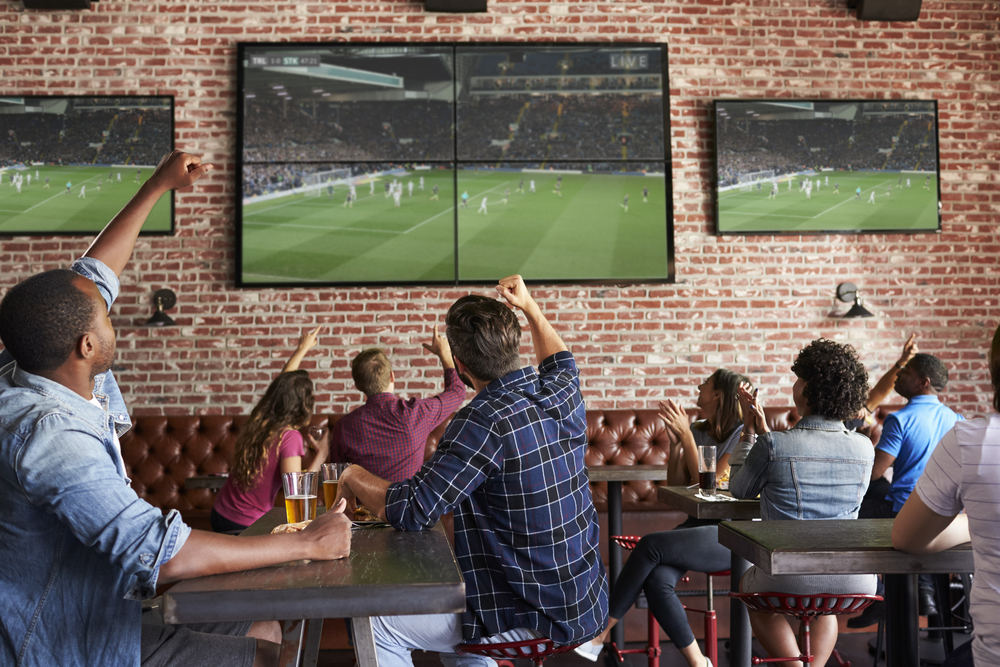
x,y
165,300
848,292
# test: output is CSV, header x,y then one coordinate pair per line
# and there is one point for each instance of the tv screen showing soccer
x,y
376,164
812,166
69,164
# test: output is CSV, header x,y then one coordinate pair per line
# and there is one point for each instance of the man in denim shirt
x,y
511,466
78,549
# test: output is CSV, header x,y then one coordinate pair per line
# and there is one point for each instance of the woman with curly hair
x,y
269,444
661,559
816,470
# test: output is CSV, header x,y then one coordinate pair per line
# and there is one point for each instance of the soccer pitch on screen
x,y
584,234
888,201
38,209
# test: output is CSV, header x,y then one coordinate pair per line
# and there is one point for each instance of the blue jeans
x,y
657,564
396,636
960,657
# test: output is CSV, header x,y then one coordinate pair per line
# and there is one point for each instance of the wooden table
x,y
213,482
389,572
684,499
614,476
861,546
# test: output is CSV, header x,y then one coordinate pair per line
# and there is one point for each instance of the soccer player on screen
x,y
465,199
371,186
36,175
506,196
69,186
397,196
790,181
645,195
520,187
625,204
29,179
558,189
349,202
836,188
871,199
83,192
857,193
46,183
138,176
17,184
774,191
118,177
907,183
421,182
388,187
482,207
409,187
531,185
434,197
927,182
827,179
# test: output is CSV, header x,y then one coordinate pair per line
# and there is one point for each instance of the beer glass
x,y
300,495
706,470
331,479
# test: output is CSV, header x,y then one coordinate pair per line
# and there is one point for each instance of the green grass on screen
x,y
41,210
585,234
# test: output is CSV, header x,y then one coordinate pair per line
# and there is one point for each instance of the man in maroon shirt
x,y
388,435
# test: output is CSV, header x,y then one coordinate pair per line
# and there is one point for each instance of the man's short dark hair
x,y
371,371
43,317
836,380
485,336
930,367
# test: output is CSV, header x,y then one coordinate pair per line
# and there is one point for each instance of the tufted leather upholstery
x,y
160,453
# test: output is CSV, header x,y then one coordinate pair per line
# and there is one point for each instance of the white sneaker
x,y
589,650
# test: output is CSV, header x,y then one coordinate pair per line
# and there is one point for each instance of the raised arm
x,y
545,339
113,246
307,341
441,349
882,388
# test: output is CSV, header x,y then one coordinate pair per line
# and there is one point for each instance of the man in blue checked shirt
x,y
511,467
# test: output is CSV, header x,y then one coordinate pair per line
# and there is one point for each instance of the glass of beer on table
x,y
706,470
331,479
300,495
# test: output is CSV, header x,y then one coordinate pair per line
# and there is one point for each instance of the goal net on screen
x,y
316,183
750,180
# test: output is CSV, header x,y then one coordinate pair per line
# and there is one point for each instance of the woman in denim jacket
x,y
816,470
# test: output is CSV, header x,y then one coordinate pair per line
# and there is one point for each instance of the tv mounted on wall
x,y
68,164
378,164
826,166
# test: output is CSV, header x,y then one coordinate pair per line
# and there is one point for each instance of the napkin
x,y
717,498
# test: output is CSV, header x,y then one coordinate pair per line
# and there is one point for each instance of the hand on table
x,y
329,534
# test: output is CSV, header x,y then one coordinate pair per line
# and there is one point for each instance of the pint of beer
x,y
300,495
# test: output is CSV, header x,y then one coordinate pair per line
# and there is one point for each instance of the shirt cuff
x,y
101,275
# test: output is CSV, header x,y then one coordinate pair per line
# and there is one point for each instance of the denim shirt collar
x,y
75,404
820,423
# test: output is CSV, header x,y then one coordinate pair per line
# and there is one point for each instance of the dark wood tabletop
x,y
685,499
860,546
389,572
629,473
213,482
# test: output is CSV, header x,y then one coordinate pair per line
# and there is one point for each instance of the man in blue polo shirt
x,y
909,436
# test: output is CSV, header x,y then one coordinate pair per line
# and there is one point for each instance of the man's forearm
x,y
544,338
369,489
115,243
207,553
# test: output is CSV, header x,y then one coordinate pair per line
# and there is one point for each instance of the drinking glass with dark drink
x,y
300,495
706,470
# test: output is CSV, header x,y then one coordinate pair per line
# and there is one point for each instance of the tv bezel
x,y
173,143
242,47
715,168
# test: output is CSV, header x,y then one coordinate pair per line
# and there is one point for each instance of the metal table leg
x,y
364,641
901,620
291,643
739,620
615,551
314,632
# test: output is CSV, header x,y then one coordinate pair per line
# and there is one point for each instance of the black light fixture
x,y
165,300
456,6
848,292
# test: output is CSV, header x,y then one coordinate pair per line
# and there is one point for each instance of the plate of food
x,y
364,518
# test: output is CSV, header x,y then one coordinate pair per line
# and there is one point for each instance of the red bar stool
x,y
805,608
653,650
537,650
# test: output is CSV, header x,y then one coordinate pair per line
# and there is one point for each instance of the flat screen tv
x,y
826,166
379,164
69,164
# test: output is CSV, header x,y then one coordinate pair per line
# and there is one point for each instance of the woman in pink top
x,y
268,445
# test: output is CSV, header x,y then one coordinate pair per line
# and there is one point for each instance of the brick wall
x,y
747,303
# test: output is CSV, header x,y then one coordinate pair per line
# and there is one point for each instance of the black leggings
x,y
656,565
221,524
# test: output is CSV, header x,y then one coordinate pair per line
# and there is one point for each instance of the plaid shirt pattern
x,y
511,466
387,436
